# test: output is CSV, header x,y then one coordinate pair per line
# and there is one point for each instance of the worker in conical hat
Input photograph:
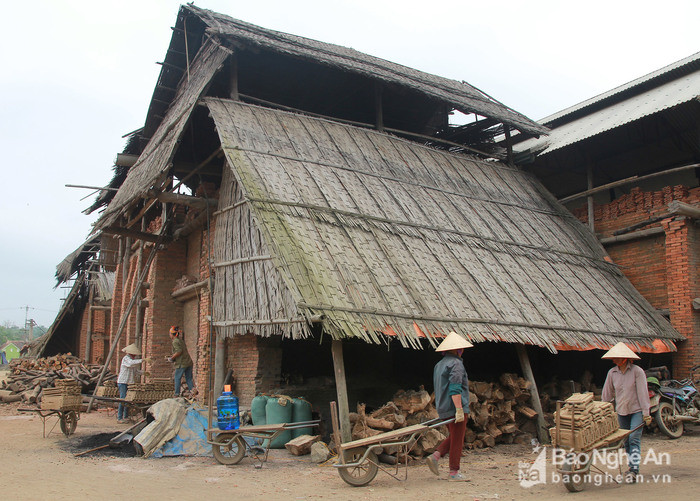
x,y
128,372
451,401
626,384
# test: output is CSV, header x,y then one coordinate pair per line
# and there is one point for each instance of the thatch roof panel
x,y
157,156
460,94
385,243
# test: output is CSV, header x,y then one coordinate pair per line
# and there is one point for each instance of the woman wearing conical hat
x,y
128,372
451,400
626,384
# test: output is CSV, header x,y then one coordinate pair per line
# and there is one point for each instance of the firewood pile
x,y
496,409
29,377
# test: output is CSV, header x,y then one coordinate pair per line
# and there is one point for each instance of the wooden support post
x,y
509,145
378,106
542,433
234,77
336,431
341,389
219,364
589,199
88,340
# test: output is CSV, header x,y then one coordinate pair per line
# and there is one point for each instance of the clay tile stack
x,y
582,421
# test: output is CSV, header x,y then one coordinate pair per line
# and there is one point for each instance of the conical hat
x,y
453,341
620,350
132,349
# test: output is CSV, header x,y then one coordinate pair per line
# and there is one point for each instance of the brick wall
x,y
256,364
664,268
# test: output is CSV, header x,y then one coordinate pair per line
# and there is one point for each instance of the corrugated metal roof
x,y
666,72
648,102
385,237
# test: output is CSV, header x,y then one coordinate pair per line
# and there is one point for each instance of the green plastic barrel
x,y
279,410
301,411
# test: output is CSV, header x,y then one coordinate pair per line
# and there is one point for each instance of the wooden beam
x,y
542,432
148,237
177,198
628,180
683,209
341,389
632,236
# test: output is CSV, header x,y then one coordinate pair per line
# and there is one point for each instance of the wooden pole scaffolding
x,y
134,298
542,433
341,389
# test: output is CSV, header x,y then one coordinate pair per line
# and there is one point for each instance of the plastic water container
x,y
227,410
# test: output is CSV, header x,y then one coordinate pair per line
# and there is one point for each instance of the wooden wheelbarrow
x,y
230,446
357,460
68,419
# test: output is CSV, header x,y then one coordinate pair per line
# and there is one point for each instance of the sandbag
x,y
257,410
279,410
301,411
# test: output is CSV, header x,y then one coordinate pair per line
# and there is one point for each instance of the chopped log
x,y
526,411
301,445
412,401
381,424
508,428
11,398
494,431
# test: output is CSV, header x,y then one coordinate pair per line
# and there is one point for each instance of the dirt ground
x,y
44,468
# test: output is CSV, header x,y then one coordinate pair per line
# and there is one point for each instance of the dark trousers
x,y
454,443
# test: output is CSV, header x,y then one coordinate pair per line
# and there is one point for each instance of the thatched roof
x,y
385,237
208,38
152,164
461,95
75,261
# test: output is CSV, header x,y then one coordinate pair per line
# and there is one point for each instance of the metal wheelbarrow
x,y
230,446
357,460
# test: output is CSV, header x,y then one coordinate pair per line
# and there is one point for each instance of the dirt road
x,y
42,468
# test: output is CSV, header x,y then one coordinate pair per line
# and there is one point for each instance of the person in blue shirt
x,y
451,401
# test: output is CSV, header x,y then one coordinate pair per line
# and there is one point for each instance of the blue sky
x,y
78,75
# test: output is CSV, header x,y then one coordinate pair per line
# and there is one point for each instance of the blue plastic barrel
x,y
227,410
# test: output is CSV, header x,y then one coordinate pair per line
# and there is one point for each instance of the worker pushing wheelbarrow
x,y
584,431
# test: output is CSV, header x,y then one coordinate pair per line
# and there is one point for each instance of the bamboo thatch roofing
x,y
151,166
461,95
168,113
382,236
75,261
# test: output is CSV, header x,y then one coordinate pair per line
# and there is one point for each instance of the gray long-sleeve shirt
x,y
450,373
628,389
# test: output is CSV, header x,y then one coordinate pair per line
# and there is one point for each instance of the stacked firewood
x,y
29,377
496,411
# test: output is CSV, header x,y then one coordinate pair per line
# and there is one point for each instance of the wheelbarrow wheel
x,y
362,474
69,420
231,453
573,475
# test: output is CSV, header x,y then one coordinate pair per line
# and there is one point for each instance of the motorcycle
x,y
674,403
